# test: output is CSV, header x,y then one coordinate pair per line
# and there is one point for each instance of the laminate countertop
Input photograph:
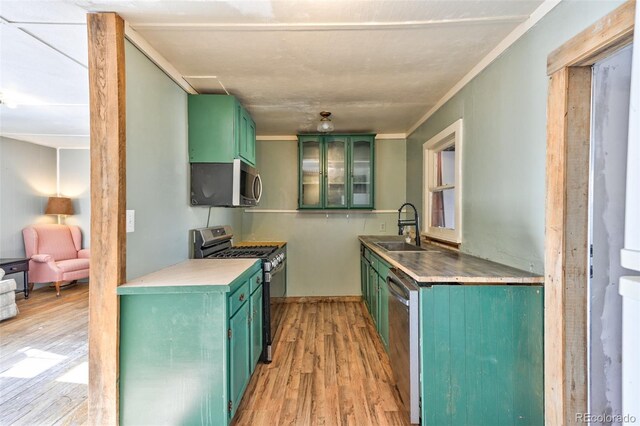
x,y
211,273
440,265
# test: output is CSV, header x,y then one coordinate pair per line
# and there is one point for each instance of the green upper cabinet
x,y
362,166
220,130
310,169
336,171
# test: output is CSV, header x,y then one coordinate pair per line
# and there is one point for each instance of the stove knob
x,y
274,263
281,257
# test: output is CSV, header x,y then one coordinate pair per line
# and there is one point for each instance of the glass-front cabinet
x,y
336,171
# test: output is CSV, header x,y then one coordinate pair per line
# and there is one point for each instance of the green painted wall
x,y
323,249
504,112
27,179
75,182
158,170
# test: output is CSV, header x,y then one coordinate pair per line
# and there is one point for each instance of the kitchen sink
x,y
398,246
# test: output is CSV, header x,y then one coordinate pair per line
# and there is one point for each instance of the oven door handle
x,y
280,267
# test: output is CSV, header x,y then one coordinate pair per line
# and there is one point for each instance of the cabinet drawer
x,y
12,268
255,282
374,262
367,254
238,298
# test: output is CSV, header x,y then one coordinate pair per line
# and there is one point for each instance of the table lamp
x,y
59,206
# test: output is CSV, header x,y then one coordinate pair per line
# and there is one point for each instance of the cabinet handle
x,y
259,280
241,298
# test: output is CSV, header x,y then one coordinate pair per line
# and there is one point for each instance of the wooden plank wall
x,y
108,203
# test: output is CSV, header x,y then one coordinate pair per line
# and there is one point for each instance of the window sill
x,y
441,243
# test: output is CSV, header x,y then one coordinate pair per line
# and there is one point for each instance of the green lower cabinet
x,y
173,349
256,326
481,355
373,295
239,363
383,311
364,280
187,352
373,276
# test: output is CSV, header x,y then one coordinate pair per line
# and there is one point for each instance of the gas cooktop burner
x,y
239,252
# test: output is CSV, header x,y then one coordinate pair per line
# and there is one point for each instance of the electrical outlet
x,y
383,227
131,220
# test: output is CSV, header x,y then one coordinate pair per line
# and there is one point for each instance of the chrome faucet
x,y
407,222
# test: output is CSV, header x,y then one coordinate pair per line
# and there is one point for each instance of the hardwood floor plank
x,y
46,340
330,368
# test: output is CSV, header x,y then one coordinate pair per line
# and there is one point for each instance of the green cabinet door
x,y
220,130
373,295
256,326
383,311
243,130
336,173
364,276
247,136
361,157
239,348
310,172
251,141
481,355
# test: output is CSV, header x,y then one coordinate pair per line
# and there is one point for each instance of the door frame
x,y
567,205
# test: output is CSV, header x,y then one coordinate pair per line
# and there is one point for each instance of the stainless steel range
x,y
216,243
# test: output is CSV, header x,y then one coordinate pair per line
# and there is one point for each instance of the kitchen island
x,y
190,338
480,345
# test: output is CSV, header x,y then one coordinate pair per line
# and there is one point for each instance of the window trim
x,y
437,143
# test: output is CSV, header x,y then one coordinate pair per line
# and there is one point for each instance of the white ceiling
x,y
376,65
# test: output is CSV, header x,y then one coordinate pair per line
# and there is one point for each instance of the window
x,y
442,184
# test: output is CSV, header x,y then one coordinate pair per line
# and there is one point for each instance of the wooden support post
x,y
567,207
108,203
566,258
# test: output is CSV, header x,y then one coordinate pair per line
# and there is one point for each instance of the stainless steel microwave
x,y
234,184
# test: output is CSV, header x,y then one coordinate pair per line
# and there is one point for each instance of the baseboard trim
x,y
322,299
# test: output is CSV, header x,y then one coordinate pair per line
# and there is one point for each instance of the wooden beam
x,y
554,248
576,253
108,203
567,206
566,252
599,40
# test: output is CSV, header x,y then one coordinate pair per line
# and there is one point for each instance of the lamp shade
x,y
59,205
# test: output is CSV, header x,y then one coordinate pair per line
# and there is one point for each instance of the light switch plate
x,y
383,227
131,220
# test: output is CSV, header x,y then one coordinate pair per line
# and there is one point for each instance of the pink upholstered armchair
x,y
56,254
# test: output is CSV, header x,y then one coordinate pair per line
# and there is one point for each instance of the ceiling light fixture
x,y
325,125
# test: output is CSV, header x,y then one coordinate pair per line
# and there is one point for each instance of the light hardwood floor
x,y
329,368
43,354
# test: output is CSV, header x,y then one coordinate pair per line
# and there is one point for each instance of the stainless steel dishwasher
x,y
403,340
